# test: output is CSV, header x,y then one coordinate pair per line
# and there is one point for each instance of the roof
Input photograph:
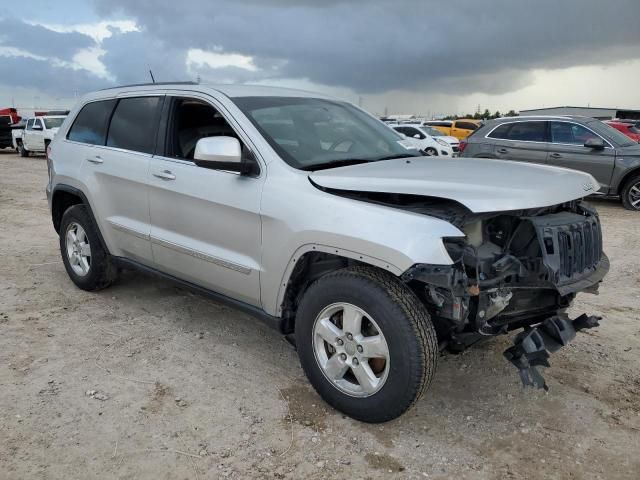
x,y
542,117
581,108
230,90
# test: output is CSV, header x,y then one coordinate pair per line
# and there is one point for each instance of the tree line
x,y
486,115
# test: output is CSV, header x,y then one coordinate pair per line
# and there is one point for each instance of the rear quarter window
x,y
90,126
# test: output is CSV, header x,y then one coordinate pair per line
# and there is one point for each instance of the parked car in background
x,y
38,134
317,218
435,133
418,136
460,129
628,128
580,143
5,131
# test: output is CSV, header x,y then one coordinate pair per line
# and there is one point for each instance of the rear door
x,y
119,137
567,150
205,224
524,141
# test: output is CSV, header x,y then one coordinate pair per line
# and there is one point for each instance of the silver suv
x,y
581,143
320,220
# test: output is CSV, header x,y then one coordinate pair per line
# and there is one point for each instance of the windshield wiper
x,y
401,155
335,163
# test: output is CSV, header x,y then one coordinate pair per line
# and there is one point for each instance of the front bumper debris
x,y
533,346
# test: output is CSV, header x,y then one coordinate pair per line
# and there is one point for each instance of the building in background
x,y
600,113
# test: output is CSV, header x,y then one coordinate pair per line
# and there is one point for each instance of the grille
x,y
579,248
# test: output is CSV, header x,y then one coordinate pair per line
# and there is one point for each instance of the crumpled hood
x,y
481,185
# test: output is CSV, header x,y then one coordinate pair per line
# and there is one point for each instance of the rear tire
x,y
631,194
86,261
23,151
393,320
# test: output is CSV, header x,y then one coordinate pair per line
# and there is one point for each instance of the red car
x,y
628,129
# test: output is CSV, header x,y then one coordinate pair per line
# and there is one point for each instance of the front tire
x,y
430,152
366,343
86,261
631,194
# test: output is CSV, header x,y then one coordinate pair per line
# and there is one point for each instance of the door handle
x,y
503,150
555,155
165,175
96,159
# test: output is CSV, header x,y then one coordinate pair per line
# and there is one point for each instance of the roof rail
x,y
150,84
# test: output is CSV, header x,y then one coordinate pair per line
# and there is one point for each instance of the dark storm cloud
x,y
379,45
41,41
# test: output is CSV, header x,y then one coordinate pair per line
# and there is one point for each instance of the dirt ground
x,y
147,380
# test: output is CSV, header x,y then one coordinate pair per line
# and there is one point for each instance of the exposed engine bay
x,y
514,269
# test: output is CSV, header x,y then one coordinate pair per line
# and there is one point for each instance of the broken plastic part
x,y
533,347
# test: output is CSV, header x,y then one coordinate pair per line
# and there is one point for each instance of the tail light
x,y
462,146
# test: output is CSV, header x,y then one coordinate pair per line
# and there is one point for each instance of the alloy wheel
x,y
78,249
351,349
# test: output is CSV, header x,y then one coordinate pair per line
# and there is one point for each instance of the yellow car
x,y
460,128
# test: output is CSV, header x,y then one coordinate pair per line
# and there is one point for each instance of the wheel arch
x,y
627,176
309,263
65,196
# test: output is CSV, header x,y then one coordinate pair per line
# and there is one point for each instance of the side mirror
x,y
594,142
220,153
417,135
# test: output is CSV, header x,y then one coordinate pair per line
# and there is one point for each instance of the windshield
x,y
434,132
312,133
618,138
53,122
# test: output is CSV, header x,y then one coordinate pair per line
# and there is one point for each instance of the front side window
x,y
414,131
313,133
30,124
53,122
134,124
434,132
90,126
193,119
570,133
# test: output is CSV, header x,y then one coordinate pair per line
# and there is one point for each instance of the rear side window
x,y
90,126
134,124
521,131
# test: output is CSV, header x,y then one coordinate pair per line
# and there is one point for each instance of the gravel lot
x,y
147,380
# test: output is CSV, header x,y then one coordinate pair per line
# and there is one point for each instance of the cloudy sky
x,y
406,56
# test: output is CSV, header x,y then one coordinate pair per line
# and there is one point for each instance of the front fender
x,y
298,220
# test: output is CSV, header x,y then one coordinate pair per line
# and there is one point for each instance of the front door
x,y
34,136
567,150
205,224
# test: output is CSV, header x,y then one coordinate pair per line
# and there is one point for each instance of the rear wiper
x,y
335,163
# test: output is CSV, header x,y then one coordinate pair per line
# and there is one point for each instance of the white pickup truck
x,y
37,134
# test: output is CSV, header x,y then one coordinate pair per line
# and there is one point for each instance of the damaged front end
x,y
515,270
